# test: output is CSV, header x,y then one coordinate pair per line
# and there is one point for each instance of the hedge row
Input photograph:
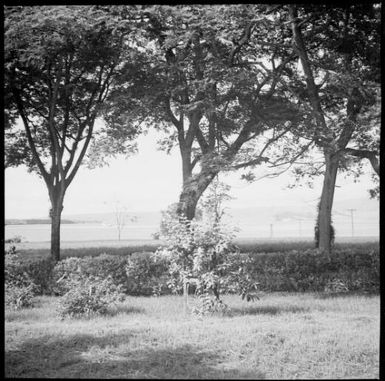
x,y
310,270
142,274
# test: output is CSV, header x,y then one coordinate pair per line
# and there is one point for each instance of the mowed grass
x,y
284,336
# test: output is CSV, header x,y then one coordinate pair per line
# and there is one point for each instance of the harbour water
x,y
100,231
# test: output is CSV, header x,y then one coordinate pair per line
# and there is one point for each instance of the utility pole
x,y
271,230
352,219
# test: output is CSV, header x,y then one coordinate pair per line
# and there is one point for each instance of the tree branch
x,y
202,141
299,46
35,155
169,112
256,161
81,156
365,154
54,133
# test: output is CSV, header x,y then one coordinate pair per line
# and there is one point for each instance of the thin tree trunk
x,y
326,204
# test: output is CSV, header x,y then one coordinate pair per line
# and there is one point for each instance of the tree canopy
x,y
59,66
212,84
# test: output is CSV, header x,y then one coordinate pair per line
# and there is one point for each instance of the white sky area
x,y
151,180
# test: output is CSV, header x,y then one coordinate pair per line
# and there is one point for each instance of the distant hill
x,y
35,221
259,221
366,209
138,218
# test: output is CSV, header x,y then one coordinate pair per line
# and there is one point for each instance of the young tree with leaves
x,y
60,63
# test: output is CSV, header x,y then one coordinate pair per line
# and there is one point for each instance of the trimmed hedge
x,y
311,270
145,274
139,274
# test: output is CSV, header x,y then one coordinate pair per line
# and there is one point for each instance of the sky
x,y
151,180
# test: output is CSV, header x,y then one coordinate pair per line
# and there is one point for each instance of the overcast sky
x,y
151,180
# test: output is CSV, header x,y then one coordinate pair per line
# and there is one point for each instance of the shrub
x,y
102,266
106,265
19,287
238,278
15,239
146,274
336,285
64,274
14,272
89,296
206,304
17,297
41,273
311,270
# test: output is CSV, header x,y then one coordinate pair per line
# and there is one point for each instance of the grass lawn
x,y
282,336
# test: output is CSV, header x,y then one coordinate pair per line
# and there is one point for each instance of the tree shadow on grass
x,y
265,310
117,356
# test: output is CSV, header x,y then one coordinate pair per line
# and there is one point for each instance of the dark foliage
x,y
352,267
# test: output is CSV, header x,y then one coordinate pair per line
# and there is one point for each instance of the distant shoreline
x,y
36,221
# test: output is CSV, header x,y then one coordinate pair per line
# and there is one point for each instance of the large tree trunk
x,y
192,191
55,214
326,204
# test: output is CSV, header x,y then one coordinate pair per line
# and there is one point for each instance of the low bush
x,y
15,239
19,287
36,272
238,277
311,270
14,270
206,304
64,274
41,274
138,274
104,266
74,269
17,297
147,274
89,296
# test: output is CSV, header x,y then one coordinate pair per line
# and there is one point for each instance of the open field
x,y
282,336
36,250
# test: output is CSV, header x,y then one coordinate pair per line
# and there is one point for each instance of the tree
x,y
198,249
60,63
339,48
212,204
120,213
120,219
212,83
